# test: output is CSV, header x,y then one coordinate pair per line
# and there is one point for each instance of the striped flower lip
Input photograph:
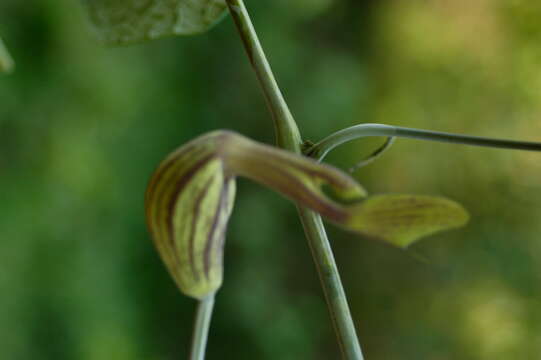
x,y
190,198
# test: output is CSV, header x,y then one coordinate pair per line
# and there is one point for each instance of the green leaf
x,y
403,219
6,62
121,22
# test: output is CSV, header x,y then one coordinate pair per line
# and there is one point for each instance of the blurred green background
x,y
82,127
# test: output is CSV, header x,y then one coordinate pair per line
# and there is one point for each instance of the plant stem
x,y
288,137
287,132
321,149
332,285
201,328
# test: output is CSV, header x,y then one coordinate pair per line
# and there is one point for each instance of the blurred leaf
x,y
6,62
130,21
403,219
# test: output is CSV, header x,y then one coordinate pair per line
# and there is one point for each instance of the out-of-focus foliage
x,y
123,22
82,128
6,62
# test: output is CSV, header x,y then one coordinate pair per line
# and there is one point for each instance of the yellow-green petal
x,y
188,203
403,219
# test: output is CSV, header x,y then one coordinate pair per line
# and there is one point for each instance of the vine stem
x,y
288,137
322,148
201,328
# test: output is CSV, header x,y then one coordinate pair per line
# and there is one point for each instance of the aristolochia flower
x,y
190,198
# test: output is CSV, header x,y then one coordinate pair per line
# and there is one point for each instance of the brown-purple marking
x,y
210,236
173,199
193,229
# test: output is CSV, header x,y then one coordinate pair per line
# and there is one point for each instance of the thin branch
x,y
322,148
287,132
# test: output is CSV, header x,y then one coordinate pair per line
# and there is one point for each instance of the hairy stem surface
x,y
288,137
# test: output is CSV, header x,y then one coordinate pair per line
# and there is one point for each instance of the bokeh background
x,y
82,127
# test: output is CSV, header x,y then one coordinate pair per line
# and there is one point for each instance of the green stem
x,y
332,285
201,328
320,150
287,132
288,137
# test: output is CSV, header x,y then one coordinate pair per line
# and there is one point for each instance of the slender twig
x,y
287,132
374,156
322,148
201,328
288,137
332,285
